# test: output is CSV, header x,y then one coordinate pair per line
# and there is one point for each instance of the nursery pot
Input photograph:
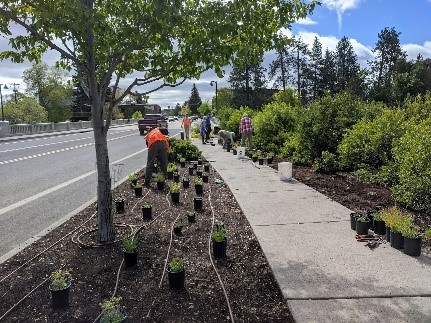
x,y
362,227
269,160
254,159
191,217
198,203
234,151
260,161
191,169
228,146
176,177
183,164
175,197
353,217
130,258
412,247
182,135
199,173
60,298
177,230
199,188
206,168
138,191
186,183
176,280
119,206
397,240
199,161
160,185
205,178
147,212
195,165
170,175
219,249
388,234
379,227
133,183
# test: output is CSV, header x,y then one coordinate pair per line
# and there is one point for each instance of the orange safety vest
x,y
156,135
186,121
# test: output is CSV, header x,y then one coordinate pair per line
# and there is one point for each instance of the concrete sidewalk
x,y
324,274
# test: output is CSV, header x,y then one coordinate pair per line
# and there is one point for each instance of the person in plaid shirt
x,y
246,130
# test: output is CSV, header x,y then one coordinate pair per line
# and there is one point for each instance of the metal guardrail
x,y
7,130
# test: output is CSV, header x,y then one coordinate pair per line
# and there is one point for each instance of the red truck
x,y
151,121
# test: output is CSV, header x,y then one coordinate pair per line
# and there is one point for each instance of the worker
x,y
186,123
158,147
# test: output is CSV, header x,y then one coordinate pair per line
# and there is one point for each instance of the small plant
x,y
60,279
178,225
130,244
198,180
182,160
362,218
138,186
427,234
133,177
146,205
219,234
172,168
160,177
174,187
119,199
112,312
176,265
377,216
412,232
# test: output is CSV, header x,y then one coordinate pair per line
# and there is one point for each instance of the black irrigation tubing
x,y
212,260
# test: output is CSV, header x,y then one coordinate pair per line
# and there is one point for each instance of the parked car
x,y
171,119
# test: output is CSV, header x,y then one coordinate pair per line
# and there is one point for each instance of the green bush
x,y
326,164
370,142
412,153
137,115
182,148
230,119
324,122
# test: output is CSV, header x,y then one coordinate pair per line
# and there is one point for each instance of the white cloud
x,y
307,21
413,50
340,6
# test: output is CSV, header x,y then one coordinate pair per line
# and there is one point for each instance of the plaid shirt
x,y
246,126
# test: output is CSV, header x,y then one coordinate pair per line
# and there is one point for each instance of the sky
x,y
359,20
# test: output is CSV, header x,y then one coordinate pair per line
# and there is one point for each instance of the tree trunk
x,y
105,220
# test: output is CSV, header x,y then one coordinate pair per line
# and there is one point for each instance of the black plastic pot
x,y
186,183
199,189
362,227
199,173
176,177
388,234
170,175
353,217
176,280
219,249
234,151
130,258
147,212
205,178
160,185
397,240
379,227
269,160
412,247
175,197
206,167
183,164
177,230
60,298
119,206
254,159
191,217
191,170
138,191
197,203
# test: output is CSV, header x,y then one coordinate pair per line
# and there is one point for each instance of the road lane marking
x,y
60,186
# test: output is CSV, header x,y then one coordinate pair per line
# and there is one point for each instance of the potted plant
x,y
160,180
177,228
170,170
269,158
133,179
235,149
130,251
182,162
205,177
176,274
219,241
176,177
119,204
200,161
191,216
138,190
379,224
147,210
191,170
197,203
61,280
412,240
174,189
207,167
353,217
362,225
112,311
397,221
186,182
260,157
199,172
198,184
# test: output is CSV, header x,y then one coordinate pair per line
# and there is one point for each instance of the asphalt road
x,y
45,180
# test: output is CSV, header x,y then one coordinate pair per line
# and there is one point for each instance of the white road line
x,y
60,186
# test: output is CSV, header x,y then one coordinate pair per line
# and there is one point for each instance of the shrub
x,y
137,115
326,164
182,148
412,153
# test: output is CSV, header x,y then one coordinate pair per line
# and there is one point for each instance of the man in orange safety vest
x,y
186,123
158,147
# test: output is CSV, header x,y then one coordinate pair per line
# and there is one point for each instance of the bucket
x,y
182,135
240,153
285,169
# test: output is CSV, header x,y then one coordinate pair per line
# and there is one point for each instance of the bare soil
x,y
98,273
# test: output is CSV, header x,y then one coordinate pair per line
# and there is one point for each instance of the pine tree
x,y
194,100
347,67
328,72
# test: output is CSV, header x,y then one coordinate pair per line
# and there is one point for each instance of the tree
x,y
204,109
347,67
194,100
49,87
314,71
328,72
387,52
166,41
26,110
224,97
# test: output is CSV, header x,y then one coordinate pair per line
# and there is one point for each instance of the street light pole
x,y
212,82
15,85
1,100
